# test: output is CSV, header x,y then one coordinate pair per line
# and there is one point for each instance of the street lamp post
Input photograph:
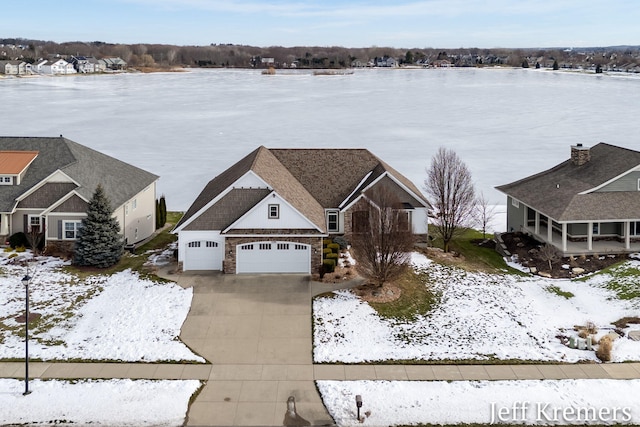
x,y
25,282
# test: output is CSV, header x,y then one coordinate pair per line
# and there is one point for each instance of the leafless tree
x,y
483,213
382,238
35,237
549,253
452,195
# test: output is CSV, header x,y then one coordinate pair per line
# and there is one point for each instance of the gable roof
x,y
84,165
314,167
311,180
563,192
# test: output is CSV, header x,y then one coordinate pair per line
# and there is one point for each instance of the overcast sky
x,y
349,23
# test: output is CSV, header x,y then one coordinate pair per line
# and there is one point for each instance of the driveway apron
x,y
256,332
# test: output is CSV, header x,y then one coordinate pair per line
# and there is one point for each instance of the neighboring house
x,y
386,61
269,212
114,64
14,68
587,204
82,64
56,66
46,184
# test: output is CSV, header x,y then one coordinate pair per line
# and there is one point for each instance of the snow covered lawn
x,y
479,316
108,402
120,317
548,402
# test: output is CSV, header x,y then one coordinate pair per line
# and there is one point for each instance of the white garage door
x,y
273,257
203,255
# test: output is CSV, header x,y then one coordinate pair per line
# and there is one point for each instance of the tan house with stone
x,y
589,204
269,212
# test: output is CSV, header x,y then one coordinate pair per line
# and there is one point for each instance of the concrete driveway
x,y
256,332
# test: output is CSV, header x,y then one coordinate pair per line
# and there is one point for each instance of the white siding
x,y
258,217
419,220
249,180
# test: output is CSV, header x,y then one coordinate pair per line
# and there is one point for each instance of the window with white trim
x,y
300,247
332,221
283,246
515,203
274,211
248,247
194,244
70,229
264,246
34,223
211,244
596,228
134,204
634,228
6,180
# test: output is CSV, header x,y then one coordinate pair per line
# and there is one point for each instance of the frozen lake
x,y
188,127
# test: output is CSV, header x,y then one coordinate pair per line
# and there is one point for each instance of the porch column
x,y
549,230
564,237
4,225
627,235
590,236
537,223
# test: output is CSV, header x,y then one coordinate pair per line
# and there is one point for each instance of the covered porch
x,y
590,237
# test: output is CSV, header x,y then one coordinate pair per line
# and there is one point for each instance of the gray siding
x,y
577,229
515,216
629,182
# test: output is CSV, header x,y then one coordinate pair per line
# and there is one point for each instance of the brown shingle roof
x,y
310,179
229,208
555,192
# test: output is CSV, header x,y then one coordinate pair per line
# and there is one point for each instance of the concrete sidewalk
x,y
293,373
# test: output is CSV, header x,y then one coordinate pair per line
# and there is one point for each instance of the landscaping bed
x,y
526,251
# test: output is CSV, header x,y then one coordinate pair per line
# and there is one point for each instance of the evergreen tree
x,y
158,216
163,211
99,243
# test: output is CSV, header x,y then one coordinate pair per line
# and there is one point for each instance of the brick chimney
x,y
580,155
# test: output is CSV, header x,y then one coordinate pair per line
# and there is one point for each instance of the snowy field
x,y
479,316
120,317
108,402
548,402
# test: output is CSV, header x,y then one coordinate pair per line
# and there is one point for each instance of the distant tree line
x,y
621,58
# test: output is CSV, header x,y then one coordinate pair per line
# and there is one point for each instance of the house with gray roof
x,y
269,212
585,205
47,183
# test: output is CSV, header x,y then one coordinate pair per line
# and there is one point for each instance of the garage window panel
x,y
194,244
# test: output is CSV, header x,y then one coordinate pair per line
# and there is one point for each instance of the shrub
x,y
322,270
344,244
604,349
18,239
21,249
591,328
326,242
334,247
329,265
325,252
333,257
